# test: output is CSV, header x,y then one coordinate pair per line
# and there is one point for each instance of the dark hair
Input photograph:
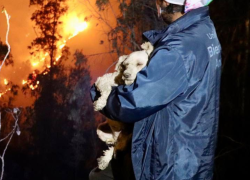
x,y
173,8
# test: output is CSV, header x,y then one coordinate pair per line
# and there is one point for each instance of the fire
x,y
2,93
35,63
79,29
39,57
6,82
72,26
33,87
62,46
32,83
58,57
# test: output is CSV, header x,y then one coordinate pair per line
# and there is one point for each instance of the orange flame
x,y
6,82
2,93
72,26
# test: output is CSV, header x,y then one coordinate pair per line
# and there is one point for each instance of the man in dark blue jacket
x,y
174,101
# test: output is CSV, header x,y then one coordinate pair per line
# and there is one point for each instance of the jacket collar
x,y
180,24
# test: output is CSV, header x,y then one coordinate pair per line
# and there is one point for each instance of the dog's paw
x,y
98,105
103,161
110,141
105,137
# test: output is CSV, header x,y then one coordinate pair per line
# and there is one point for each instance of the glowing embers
x,y
32,82
38,57
35,63
2,93
24,82
6,82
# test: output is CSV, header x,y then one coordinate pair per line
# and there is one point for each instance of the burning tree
x,y
47,22
63,120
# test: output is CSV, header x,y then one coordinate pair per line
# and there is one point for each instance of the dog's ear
x,y
148,47
120,60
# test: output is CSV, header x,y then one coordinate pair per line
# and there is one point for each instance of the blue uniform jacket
x,y
174,102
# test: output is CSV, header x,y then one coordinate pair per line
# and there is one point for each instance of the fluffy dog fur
x,y
113,132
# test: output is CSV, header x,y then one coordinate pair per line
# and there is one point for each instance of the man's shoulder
x,y
197,35
196,39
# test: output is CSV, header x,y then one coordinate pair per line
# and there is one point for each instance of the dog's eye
x,y
139,64
124,64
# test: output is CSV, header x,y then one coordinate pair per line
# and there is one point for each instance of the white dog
x,y
126,70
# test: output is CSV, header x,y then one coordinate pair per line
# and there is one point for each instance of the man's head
x,y
170,10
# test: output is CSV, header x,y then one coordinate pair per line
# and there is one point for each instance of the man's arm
x,y
155,86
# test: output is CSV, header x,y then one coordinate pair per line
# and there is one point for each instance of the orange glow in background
x,y
22,32
71,27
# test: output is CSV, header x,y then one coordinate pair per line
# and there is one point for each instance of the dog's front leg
x,y
102,100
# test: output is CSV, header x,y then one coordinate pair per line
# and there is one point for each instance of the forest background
x,y
51,100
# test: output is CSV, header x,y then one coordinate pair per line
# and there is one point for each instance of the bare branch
x,y
7,35
15,113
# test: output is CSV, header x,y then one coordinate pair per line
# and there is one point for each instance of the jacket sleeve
x,y
155,86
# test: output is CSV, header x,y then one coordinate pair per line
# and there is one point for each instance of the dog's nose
x,y
126,75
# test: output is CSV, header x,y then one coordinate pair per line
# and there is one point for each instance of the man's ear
x,y
157,2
